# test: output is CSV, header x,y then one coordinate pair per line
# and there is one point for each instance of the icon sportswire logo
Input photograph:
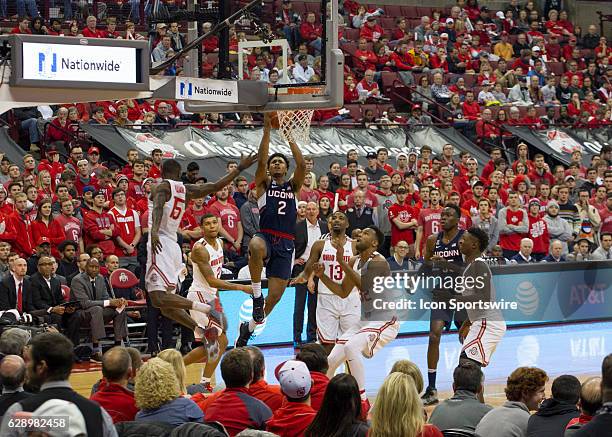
x,y
186,89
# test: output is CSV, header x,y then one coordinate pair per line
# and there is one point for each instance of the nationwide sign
x,y
79,63
209,90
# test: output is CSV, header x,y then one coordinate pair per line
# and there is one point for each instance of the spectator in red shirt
x,y
59,129
401,30
113,394
292,419
235,409
111,29
23,27
100,227
129,231
18,220
368,87
311,33
470,108
403,218
540,172
231,226
364,58
486,129
155,171
402,60
370,30
532,120
84,177
538,231
135,185
351,95
90,31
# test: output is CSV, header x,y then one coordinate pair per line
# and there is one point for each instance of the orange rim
x,y
305,90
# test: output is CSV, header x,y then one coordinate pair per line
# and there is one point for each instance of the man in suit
x,y
47,299
12,377
90,289
307,231
360,216
15,290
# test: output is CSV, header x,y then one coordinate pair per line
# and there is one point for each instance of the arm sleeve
x,y
502,225
93,230
77,292
524,226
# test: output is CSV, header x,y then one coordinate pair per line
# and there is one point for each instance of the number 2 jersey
x,y
278,210
173,211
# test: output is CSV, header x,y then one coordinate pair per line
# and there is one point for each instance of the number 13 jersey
x,y
278,210
331,265
173,210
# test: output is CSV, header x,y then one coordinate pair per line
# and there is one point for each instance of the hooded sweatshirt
x,y
551,418
558,229
291,420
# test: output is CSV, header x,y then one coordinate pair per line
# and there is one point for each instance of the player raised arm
x,y
201,258
261,174
355,278
197,191
300,167
160,196
315,255
341,290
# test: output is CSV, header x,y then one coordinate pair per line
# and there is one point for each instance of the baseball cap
x,y
416,106
477,183
89,188
450,21
98,193
144,182
484,9
294,378
93,150
568,177
371,155
43,240
486,82
500,15
536,49
444,35
399,155
52,150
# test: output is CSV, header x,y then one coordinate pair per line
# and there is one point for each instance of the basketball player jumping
x,y
207,260
274,244
335,315
366,337
167,204
441,253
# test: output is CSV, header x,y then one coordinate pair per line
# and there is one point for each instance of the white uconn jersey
x,y
173,210
331,265
216,263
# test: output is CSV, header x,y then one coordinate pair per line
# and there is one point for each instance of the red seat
x,y
558,68
410,12
299,7
355,110
351,34
393,11
123,278
423,11
388,79
313,7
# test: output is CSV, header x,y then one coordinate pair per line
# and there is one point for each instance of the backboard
x,y
268,38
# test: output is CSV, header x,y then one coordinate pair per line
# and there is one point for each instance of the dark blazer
x,y
301,241
81,289
44,297
301,235
8,399
8,294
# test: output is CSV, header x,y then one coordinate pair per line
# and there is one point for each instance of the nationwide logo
x,y
50,64
185,89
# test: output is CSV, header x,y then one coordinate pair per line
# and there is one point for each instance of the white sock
x,y
252,325
204,380
256,289
201,307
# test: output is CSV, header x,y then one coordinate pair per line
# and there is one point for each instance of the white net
x,y
294,126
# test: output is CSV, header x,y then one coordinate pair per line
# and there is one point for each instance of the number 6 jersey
x,y
173,210
278,210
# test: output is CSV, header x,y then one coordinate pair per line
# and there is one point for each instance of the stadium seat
x,y
410,12
558,68
313,7
393,11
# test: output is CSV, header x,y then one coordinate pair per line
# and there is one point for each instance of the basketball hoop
x,y
294,125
